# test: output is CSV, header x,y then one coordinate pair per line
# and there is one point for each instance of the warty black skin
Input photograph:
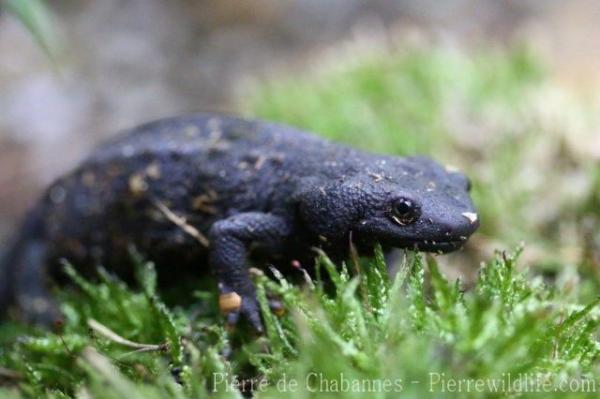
x,y
247,187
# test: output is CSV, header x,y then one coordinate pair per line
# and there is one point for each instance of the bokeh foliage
x,y
36,18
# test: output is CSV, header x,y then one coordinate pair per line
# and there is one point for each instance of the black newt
x,y
210,187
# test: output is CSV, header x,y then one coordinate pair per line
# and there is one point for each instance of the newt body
x,y
202,190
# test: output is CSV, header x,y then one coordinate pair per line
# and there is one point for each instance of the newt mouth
x,y
435,246
441,246
435,238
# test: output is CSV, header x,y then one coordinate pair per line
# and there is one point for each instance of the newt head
x,y
412,203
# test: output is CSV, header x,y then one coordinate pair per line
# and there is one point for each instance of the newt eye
x,y
405,211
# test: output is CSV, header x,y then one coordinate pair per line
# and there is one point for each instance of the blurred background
x,y
506,90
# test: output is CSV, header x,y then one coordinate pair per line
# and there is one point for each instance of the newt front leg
x,y
230,240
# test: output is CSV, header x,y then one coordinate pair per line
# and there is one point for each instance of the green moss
x,y
410,330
